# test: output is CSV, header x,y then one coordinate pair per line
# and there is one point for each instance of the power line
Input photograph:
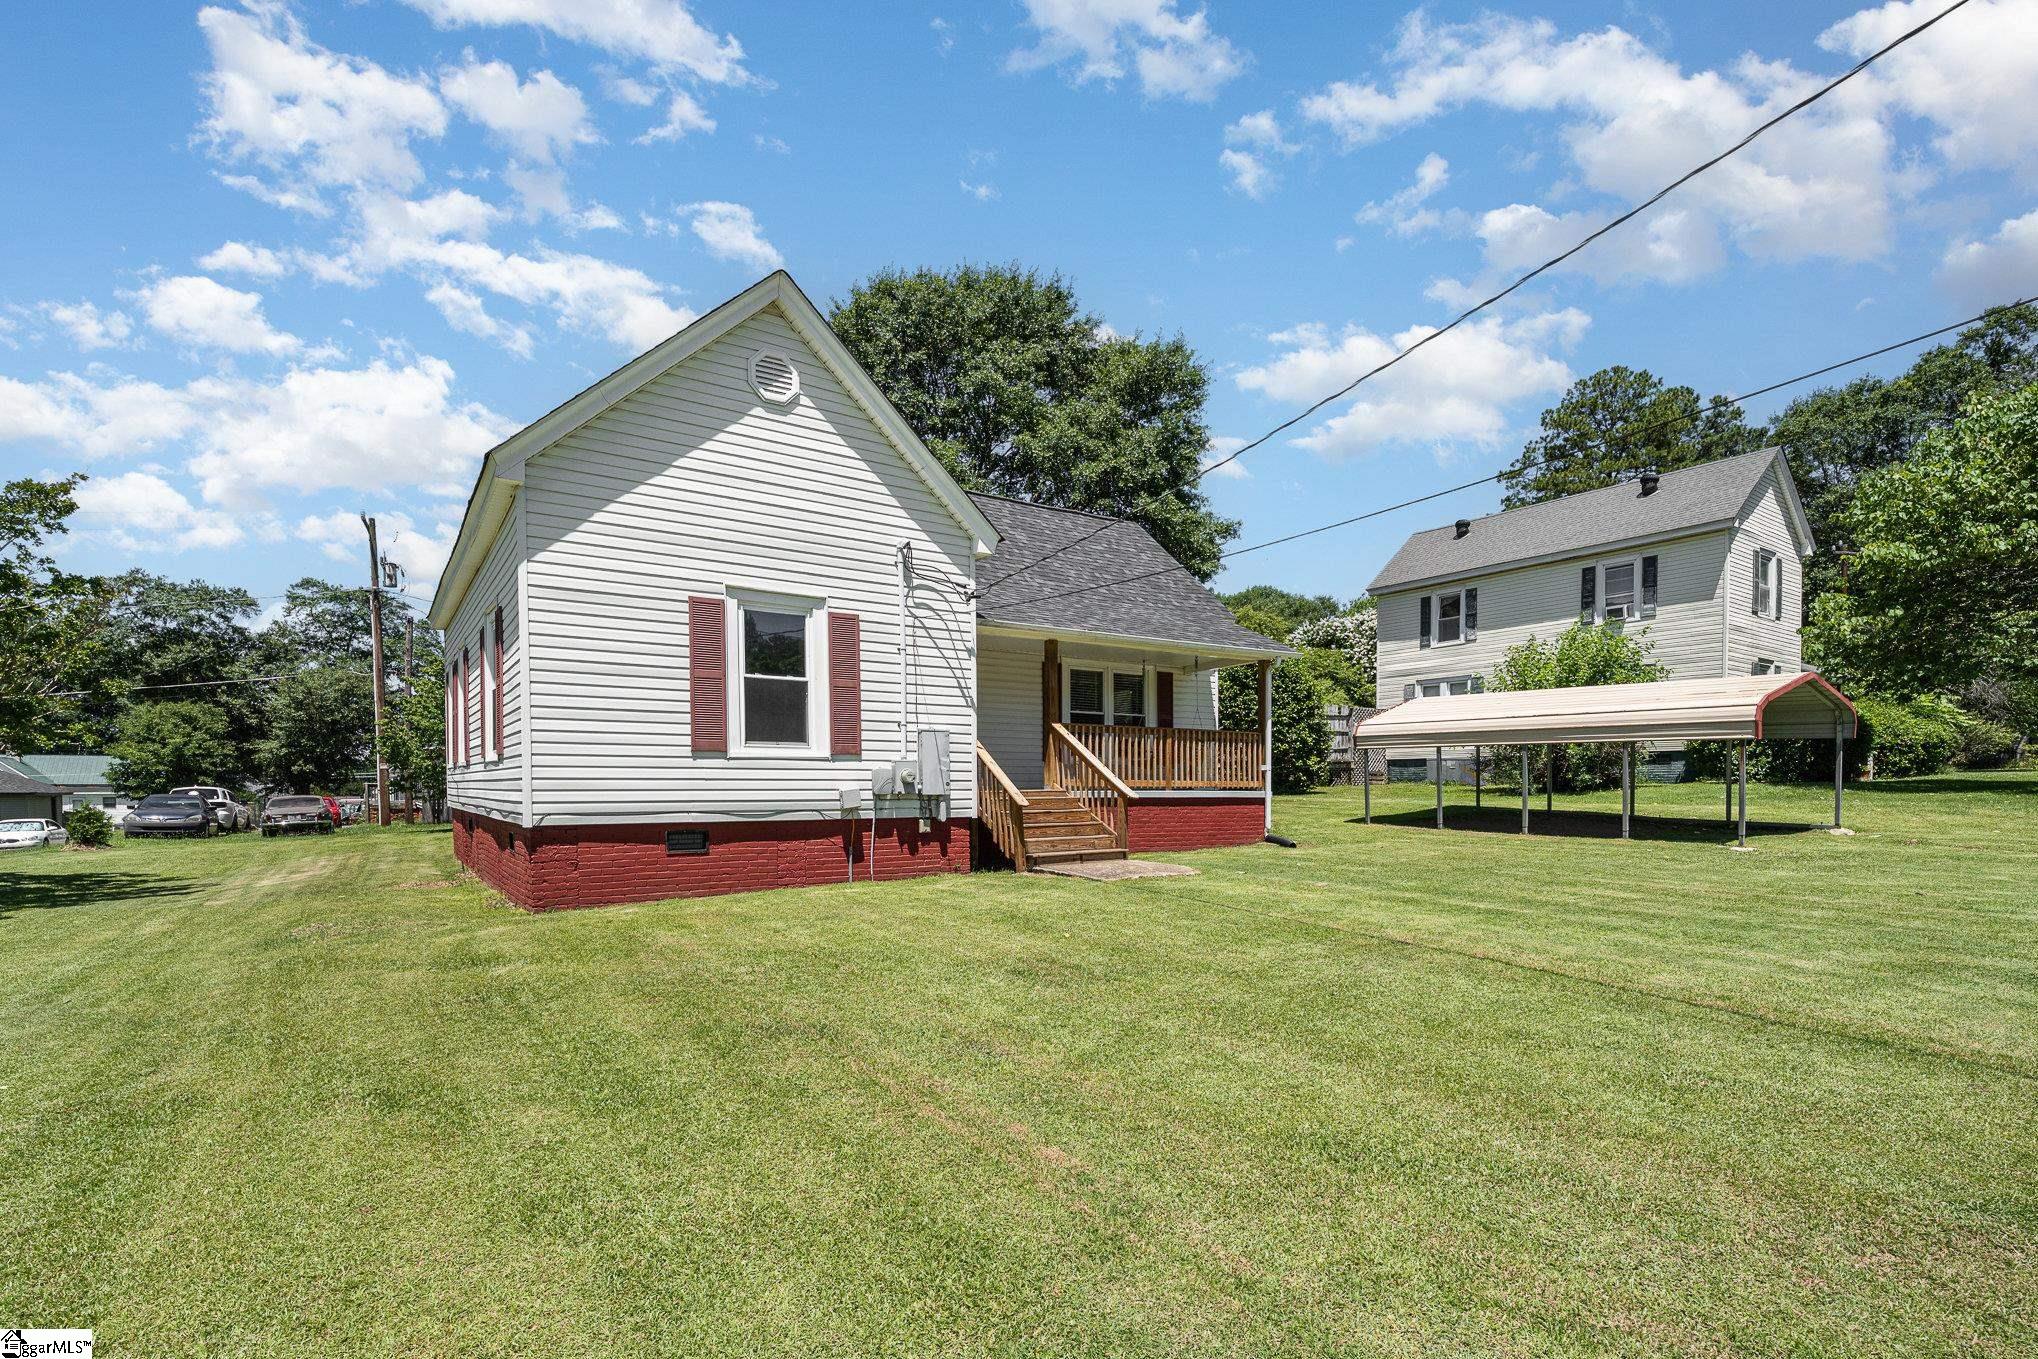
x,y
1540,269
1628,431
187,684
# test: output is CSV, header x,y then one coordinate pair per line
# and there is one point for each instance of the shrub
x,y
1301,754
89,826
1581,654
1903,736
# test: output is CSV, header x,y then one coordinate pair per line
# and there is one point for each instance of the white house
x,y
721,621
1706,563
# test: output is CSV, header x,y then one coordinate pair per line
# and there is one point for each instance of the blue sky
x,y
265,265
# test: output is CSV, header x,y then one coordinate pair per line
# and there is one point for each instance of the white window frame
x,y
1443,686
1436,618
1774,580
816,746
1599,590
1149,688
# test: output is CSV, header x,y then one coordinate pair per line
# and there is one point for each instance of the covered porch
x,y
1098,747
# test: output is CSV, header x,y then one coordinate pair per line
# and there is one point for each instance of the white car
x,y
32,834
231,815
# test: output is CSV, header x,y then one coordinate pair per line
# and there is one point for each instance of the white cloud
x,y
1222,446
465,311
1404,213
658,31
542,190
1250,144
983,193
420,551
776,145
1260,129
540,118
1249,174
1174,55
237,257
682,115
200,311
1821,184
628,89
730,232
89,327
1973,77
1455,389
312,115
141,512
2001,269
944,35
95,419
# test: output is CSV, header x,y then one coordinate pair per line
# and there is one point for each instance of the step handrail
x,y
1076,769
1002,808
1091,758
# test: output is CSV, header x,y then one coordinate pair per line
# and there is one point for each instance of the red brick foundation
x,y
1195,823
557,867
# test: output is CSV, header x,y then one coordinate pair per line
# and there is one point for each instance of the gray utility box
x,y
924,776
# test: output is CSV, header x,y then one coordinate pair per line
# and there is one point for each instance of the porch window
x,y
775,700
1086,697
1128,698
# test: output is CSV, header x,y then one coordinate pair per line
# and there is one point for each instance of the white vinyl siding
x,y
1749,638
693,485
1541,601
489,782
1008,687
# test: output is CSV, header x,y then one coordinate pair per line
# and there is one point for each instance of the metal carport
x,y
1736,708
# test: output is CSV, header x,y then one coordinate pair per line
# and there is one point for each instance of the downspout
x,y
905,554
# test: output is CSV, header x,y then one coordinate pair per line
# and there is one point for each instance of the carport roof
x,y
1735,708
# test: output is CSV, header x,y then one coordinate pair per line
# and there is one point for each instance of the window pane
x,y
1620,591
1450,617
774,643
1086,696
1128,700
775,710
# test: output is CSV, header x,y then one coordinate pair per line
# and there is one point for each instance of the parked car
x,y
170,814
352,809
332,803
229,811
289,814
32,834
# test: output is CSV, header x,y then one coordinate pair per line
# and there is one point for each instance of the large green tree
x,y
52,622
414,733
1942,589
1021,392
320,730
1283,609
168,745
1616,423
1582,654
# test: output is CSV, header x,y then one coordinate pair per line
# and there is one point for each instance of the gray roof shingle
x,y
12,780
1685,499
1081,582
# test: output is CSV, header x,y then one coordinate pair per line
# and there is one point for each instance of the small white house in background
x,y
1705,562
722,622
84,780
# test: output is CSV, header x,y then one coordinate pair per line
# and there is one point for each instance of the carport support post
x,y
1440,787
1627,790
1366,773
1478,778
1839,772
1524,790
1742,778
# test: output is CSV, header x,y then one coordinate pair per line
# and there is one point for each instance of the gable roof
x,y
502,471
1690,499
68,771
13,781
1099,577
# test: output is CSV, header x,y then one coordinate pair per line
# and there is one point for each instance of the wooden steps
x,y
1060,829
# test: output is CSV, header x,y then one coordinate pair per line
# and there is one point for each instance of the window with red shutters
x,y
498,685
845,684
707,648
481,694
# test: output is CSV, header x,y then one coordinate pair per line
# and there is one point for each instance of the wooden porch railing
x,y
1002,808
1074,768
1177,757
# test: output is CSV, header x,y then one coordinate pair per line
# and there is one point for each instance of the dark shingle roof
x,y
12,780
1685,499
1078,551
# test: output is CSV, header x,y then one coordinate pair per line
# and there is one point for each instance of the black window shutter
x,y
1424,640
1648,586
1471,614
1588,587
1407,692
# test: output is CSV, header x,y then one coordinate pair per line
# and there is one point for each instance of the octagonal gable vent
x,y
774,376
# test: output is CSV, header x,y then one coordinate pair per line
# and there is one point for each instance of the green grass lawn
x,y
1395,1092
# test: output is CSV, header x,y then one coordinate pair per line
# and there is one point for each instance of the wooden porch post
x,y
1050,704
1267,740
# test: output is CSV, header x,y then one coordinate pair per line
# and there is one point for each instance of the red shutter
x,y
449,716
498,684
845,684
1164,698
707,647
460,710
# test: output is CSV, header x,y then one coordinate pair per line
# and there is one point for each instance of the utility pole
x,y
410,632
375,641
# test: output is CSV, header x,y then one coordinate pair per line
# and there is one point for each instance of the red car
x,y
333,809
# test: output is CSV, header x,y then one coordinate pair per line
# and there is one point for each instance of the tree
x,y
320,725
1943,585
414,734
1616,423
1584,653
163,632
1301,754
1020,392
1293,610
1352,638
51,621
326,624
170,745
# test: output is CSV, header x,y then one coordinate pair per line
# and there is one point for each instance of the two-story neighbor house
x,y
1706,562
721,621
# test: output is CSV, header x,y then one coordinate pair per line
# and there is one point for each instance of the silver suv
x,y
229,813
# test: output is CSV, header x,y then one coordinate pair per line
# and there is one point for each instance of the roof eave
x,y
1380,585
1271,651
